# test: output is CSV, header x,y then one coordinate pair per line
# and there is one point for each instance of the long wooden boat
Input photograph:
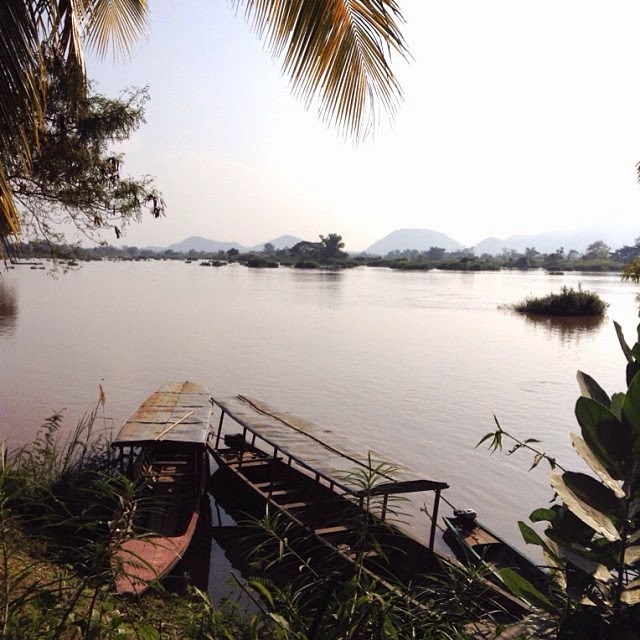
x,y
477,545
319,481
163,448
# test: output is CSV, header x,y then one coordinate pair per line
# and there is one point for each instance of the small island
x,y
569,302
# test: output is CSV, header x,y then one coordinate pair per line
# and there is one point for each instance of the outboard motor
x,y
466,518
234,440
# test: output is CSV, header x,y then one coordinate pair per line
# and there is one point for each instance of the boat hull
x,y
170,474
476,545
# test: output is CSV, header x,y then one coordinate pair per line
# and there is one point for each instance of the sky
x,y
518,117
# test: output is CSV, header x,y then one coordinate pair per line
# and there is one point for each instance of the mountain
x,y
281,242
550,241
420,239
198,243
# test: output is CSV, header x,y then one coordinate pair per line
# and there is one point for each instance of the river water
x,y
413,364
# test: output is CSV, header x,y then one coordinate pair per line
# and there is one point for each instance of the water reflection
x,y
568,329
8,308
326,286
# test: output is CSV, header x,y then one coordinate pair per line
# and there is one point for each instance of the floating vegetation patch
x,y
569,302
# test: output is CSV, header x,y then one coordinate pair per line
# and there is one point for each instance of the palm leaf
x,y
336,52
116,24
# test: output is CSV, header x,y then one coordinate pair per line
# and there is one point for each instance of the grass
x,y
57,501
569,302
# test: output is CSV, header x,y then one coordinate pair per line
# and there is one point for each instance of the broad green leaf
x,y
573,488
623,343
587,455
591,389
616,404
594,493
606,436
631,417
632,554
523,589
576,557
542,515
589,551
631,593
529,535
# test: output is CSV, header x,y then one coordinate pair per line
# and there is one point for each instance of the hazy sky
x,y
519,117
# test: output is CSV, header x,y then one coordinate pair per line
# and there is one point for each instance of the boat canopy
x,y
322,451
176,412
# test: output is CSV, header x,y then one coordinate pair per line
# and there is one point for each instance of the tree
x,y
31,31
598,250
436,253
331,246
628,252
336,53
73,176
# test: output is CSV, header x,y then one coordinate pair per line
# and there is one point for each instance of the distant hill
x,y
419,239
424,239
198,243
281,242
550,241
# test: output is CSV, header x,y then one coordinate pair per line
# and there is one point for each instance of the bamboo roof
x,y
176,412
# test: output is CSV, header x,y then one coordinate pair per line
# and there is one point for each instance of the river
x,y
415,364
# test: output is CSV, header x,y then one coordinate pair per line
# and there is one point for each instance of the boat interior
x,y
336,518
169,474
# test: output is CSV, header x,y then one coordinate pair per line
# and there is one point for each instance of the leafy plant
x,y
569,302
592,536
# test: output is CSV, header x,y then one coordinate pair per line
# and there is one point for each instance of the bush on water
x,y
569,302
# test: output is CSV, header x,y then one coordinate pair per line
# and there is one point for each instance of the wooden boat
x,y
476,545
320,483
163,448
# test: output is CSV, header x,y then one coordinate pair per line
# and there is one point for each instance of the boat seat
x,y
289,506
285,492
327,531
267,484
253,462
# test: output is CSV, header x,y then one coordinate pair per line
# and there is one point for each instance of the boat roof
x,y
176,412
322,451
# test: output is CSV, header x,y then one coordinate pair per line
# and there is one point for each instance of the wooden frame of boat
x,y
163,448
476,545
273,458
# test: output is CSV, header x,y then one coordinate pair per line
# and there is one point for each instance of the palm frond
x,y
21,90
336,52
9,216
116,24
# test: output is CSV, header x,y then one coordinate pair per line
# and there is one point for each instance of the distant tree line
x,y
328,251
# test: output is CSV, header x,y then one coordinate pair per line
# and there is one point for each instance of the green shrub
x,y
307,264
262,263
569,302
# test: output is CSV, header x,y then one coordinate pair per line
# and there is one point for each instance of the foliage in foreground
x,y
314,595
569,302
592,536
56,506
56,503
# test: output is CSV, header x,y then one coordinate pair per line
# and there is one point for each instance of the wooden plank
x,y
326,531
